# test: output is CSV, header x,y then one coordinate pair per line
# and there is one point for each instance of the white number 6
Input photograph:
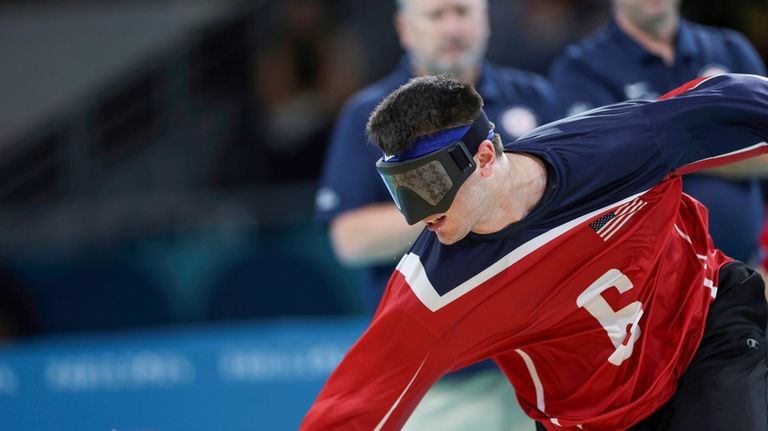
x,y
614,322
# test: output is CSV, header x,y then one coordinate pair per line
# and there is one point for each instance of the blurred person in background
x,y
303,76
366,228
647,49
749,16
542,28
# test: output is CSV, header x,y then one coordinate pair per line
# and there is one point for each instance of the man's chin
x,y
453,70
446,239
455,66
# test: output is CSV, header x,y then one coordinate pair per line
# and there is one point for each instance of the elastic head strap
x,y
480,130
471,135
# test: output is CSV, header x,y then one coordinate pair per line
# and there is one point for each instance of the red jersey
x,y
595,303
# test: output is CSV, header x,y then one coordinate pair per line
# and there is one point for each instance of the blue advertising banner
x,y
224,377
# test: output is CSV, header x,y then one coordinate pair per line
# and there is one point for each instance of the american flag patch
x,y
610,223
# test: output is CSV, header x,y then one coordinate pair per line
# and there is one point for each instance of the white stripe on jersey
x,y
536,380
707,282
732,153
411,268
397,401
713,289
685,237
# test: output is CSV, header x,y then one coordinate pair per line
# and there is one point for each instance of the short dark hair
x,y
424,105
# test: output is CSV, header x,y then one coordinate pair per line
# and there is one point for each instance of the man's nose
x,y
453,23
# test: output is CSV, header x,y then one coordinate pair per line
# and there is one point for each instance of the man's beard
x,y
467,61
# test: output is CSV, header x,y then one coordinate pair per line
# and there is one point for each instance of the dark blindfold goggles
x,y
424,180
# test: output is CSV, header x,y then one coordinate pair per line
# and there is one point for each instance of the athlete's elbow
x,y
348,246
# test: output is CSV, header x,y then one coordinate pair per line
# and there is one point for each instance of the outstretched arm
x,y
382,378
711,122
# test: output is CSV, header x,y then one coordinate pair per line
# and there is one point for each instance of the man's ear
x,y
485,158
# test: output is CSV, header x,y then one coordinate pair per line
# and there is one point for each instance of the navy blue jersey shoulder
x,y
593,160
613,152
602,156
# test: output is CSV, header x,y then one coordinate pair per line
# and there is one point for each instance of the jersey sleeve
x,y
711,121
613,152
348,178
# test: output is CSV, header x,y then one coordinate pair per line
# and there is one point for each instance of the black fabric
x,y
725,387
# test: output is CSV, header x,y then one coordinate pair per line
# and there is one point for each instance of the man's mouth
x,y
435,223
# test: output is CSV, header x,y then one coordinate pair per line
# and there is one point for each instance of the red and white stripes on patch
x,y
622,216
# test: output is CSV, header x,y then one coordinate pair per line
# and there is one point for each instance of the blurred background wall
x,y
166,144
159,159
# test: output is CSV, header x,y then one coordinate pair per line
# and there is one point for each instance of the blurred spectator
x,y
439,37
644,51
541,28
749,16
303,75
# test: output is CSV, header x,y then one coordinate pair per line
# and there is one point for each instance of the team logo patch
x,y
753,344
518,120
607,225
